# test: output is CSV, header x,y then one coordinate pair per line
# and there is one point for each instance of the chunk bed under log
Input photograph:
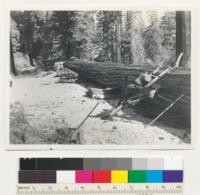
x,y
66,75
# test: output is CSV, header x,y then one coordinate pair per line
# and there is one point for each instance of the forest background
x,y
128,37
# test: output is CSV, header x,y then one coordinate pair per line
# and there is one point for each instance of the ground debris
x,y
22,132
66,75
61,136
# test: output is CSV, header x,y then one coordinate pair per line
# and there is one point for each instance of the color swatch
x,y
83,176
101,170
119,176
138,176
65,176
154,176
101,176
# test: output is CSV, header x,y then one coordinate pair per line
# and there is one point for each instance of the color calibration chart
x,y
137,176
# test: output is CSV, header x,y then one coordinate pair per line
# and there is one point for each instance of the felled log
x,y
172,85
108,74
113,75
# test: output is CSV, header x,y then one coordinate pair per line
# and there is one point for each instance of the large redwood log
x,y
172,86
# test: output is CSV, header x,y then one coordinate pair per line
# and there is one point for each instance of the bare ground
x,y
42,111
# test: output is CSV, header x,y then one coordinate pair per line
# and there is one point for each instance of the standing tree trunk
x,y
29,52
132,41
183,36
118,37
92,30
12,63
28,32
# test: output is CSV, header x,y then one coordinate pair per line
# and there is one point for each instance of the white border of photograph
x,y
194,72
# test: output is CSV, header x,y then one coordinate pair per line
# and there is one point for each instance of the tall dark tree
x,y
25,21
12,63
152,38
132,41
106,36
17,18
183,36
47,38
132,34
118,22
133,38
63,24
84,35
27,33
168,28
155,52
168,31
